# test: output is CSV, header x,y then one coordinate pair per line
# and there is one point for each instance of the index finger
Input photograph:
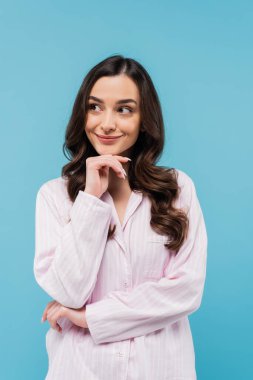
x,y
43,318
122,157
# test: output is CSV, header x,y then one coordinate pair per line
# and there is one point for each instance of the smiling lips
x,y
107,139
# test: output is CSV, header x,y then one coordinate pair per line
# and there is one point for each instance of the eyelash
x,y
94,104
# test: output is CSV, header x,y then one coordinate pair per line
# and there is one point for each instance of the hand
x,y
54,310
97,172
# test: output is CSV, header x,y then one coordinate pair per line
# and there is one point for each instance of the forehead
x,y
115,87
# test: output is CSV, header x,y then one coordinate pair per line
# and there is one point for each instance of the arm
x,y
153,305
68,255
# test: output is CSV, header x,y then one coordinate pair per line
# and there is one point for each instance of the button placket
x,y
127,281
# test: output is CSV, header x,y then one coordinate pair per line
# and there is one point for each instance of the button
x,y
125,284
120,354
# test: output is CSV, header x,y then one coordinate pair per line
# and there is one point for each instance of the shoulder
x,y
187,188
54,188
184,180
54,194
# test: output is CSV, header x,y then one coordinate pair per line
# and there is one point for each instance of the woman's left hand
x,y
54,310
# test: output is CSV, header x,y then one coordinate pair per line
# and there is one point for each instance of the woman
x,y
121,243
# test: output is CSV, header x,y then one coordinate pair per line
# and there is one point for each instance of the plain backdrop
x,y
199,55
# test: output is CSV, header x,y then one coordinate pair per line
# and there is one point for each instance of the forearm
x,y
67,257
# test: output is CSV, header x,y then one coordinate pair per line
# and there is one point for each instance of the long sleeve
x,y
68,255
151,305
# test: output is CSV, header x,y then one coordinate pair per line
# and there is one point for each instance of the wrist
x,y
91,193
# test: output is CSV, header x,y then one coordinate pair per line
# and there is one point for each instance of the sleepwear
x,y
138,294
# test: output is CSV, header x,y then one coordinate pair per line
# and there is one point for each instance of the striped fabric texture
x,y
138,294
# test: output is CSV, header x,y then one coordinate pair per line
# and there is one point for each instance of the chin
x,y
112,149
108,150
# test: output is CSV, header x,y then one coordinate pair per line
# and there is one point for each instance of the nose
x,y
108,123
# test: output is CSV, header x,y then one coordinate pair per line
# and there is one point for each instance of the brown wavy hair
x,y
157,182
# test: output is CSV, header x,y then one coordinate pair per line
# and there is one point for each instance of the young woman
x,y
121,243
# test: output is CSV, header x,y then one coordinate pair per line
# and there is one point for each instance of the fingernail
x,y
124,172
41,320
129,159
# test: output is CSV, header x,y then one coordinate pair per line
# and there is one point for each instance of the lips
x,y
108,137
108,140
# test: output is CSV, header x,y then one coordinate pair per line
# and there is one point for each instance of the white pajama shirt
x,y
137,293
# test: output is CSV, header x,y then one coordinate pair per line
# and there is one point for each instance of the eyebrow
x,y
122,101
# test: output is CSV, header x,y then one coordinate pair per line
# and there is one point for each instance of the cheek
x,y
135,132
91,122
130,127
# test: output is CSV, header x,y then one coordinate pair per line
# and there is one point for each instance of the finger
x,y
52,310
118,159
55,326
106,164
115,157
54,316
124,158
48,307
59,310
113,164
99,162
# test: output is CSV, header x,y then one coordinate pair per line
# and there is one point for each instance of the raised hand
x,y
97,172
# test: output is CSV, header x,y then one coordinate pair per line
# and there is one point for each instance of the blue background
x,y
199,55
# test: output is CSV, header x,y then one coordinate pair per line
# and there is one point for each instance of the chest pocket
x,y
158,256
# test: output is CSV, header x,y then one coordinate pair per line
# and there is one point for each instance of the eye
x,y
92,106
126,108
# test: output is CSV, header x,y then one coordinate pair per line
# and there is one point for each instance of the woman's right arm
x,y
68,255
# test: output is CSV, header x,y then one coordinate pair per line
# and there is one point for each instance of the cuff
x,y
94,316
86,202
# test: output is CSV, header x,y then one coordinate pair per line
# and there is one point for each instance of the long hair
x,y
157,182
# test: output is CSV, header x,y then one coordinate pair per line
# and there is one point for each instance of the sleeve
x,y
68,255
153,305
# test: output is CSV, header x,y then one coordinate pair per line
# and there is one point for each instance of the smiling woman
x,y
121,243
109,129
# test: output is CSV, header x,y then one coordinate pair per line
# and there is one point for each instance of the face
x,y
113,115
